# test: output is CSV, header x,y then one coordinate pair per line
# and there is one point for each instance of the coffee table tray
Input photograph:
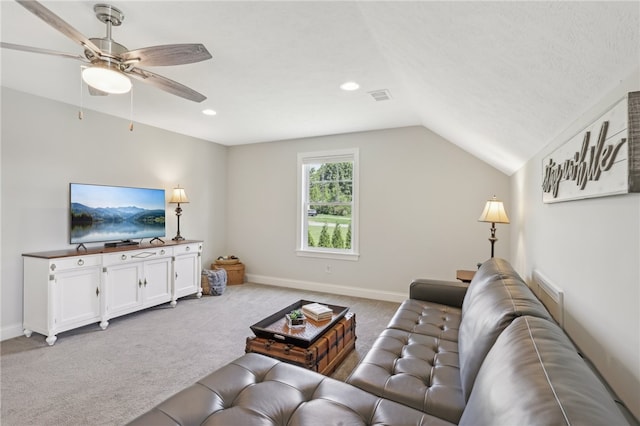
x,y
275,327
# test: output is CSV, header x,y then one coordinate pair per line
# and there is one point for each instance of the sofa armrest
x,y
449,293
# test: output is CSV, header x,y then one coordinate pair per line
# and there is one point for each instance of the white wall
x,y
45,146
590,249
420,198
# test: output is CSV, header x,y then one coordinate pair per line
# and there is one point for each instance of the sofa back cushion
x,y
496,296
490,270
533,375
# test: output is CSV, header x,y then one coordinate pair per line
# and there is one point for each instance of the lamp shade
x,y
178,196
107,79
494,212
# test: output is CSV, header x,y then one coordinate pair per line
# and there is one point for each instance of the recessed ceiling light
x,y
350,86
208,112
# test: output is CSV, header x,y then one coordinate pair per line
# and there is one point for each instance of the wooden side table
x,y
465,276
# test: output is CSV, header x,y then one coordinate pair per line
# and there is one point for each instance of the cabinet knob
x,y
145,282
188,248
97,292
52,267
123,257
139,283
80,262
162,252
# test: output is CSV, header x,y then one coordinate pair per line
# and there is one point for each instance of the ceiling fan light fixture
x,y
106,79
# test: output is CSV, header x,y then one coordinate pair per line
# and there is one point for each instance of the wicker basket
x,y
235,272
227,261
204,284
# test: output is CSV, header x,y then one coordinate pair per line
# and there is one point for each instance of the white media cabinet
x,y
68,289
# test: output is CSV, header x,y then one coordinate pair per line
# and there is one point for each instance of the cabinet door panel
x,y
76,297
124,292
186,275
157,286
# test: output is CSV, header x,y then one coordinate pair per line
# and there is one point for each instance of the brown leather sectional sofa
x,y
487,353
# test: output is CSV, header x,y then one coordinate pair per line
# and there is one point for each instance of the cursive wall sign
x,y
603,159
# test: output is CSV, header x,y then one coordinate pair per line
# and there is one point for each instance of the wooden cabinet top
x,y
54,254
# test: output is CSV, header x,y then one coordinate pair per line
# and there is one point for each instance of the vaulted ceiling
x,y
498,79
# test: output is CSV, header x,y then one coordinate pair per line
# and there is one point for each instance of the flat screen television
x,y
101,213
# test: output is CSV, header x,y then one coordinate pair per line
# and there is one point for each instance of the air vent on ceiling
x,y
380,95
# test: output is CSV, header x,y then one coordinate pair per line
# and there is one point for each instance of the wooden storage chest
x,y
323,356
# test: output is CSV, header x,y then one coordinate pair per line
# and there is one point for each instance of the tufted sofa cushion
x,y
428,318
257,390
495,298
533,375
413,369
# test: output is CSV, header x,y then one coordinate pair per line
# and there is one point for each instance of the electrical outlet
x,y
327,269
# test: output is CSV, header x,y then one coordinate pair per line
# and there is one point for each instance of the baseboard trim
x,y
388,296
11,331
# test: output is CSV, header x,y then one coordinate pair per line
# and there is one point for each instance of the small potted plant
x,y
295,319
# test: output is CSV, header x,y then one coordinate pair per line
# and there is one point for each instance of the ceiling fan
x,y
108,64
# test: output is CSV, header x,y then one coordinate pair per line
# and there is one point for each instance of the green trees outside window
x,y
327,224
330,205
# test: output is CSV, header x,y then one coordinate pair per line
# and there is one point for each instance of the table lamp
x,y
494,213
178,196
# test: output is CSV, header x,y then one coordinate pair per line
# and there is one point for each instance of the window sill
x,y
328,255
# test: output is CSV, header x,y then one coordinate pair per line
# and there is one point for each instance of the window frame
x,y
332,156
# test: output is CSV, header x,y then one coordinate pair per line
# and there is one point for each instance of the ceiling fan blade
x,y
42,51
169,54
59,24
166,84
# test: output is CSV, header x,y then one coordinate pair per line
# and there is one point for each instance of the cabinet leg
x,y
104,324
27,332
51,339
173,303
199,295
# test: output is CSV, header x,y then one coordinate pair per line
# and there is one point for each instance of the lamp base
x,y
178,237
493,241
493,238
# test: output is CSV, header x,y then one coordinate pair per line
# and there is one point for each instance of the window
x,y
328,204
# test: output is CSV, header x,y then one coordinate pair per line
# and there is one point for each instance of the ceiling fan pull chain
x,y
80,114
131,111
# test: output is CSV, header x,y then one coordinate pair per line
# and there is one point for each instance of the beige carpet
x,y
95,377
